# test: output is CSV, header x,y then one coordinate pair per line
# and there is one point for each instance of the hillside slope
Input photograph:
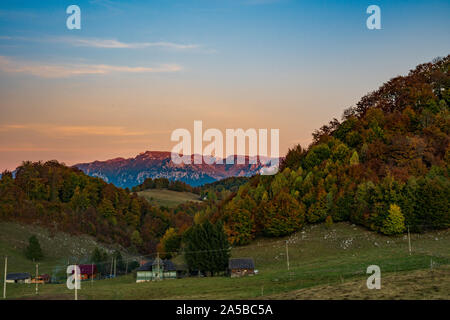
x,y
411,285
58,248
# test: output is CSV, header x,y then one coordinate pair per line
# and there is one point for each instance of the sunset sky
x,y
137,70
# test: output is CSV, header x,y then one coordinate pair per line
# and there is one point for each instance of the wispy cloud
x,y
113,43
26,148
67,70
106,43
96,131
72,131
9,127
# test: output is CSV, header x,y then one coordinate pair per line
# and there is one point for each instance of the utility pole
x,y
92,273
287,255
76,282
110,270
157,261
115,266
36,279
409,242
126,268
4,280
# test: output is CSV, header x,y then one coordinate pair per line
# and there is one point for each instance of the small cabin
x,y
24,277
239,267
156,269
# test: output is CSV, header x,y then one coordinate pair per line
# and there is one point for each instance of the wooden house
x,y
239,267
156,269
24,277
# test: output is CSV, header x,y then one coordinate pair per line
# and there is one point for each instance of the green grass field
x,y
168,198
324,264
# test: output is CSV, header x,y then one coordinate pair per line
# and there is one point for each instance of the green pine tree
x,y
354,159
206,248
34,251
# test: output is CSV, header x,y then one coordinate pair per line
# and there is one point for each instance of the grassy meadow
x,y
324,263
168,198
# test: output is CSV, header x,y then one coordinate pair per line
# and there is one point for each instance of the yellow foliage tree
x,y
394,222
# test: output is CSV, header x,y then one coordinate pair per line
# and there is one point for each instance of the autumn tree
x,y
283,216
394,222
170,243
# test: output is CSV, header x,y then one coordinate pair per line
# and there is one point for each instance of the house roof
x,y
87,269
146,266
18,276
167,264
158,260
241,263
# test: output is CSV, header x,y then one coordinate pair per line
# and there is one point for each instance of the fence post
x,y
287,255
409,241
115,267
4,283
76,282
36,279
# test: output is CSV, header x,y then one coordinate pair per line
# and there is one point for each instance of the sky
x,y
138,70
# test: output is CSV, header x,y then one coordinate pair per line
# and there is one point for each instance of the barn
x,y
239,267
23,277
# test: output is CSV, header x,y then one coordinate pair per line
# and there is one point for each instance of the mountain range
x,y
158,164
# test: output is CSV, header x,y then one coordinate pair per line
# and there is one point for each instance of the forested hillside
x,y
384,166
60,198
164,183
